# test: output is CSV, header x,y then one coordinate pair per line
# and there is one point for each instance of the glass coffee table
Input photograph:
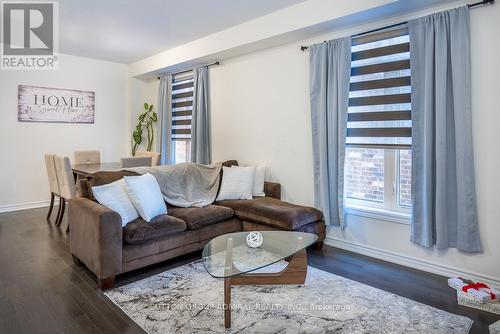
x,y
228,256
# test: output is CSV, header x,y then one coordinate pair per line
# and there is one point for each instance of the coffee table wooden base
x,y
295,273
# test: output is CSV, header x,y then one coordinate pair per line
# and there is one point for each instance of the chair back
x,y
135,162
51,173
65,177
155,156
87,157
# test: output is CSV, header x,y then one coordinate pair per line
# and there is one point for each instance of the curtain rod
x,y
185,71
472,5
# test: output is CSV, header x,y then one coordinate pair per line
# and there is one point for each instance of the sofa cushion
x,y
197,218
114,196
236,183
228,163
139,231
145,193
99,179
169,246
271,211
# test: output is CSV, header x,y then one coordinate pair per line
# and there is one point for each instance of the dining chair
x,y
87,157
155,156
53,183
135,162
66,183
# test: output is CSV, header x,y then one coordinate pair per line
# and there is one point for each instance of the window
x,y
182,109
378,153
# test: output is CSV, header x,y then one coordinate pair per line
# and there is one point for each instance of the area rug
x,y
187,299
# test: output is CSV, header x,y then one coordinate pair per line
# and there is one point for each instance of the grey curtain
x,y
200,125
330,69
444,197
165,116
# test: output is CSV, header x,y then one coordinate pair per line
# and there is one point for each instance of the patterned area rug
x,y
187,299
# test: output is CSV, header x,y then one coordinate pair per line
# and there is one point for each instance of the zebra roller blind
x,y
182,106
379,114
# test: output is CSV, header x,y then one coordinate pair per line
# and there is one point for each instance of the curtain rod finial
x,y
481,3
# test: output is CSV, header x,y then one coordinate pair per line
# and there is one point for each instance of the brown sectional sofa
x,y
98,240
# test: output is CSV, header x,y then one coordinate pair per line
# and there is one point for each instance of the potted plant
x,y
146,120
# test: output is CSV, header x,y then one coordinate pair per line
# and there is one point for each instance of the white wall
x,y
261,115
23,179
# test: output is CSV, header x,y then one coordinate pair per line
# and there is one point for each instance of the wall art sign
x,y
54,105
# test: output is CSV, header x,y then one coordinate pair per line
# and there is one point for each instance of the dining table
x,y
85,170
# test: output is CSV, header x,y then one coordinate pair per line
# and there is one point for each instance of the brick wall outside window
x,y
364,174
405,178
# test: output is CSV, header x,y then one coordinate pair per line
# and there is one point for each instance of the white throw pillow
x,y
258,182
114,196
237,183
145,194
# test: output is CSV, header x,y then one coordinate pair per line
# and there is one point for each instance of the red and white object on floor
x,y
474,290
464,300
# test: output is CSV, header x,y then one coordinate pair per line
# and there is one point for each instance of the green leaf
x,y
146,119
137,137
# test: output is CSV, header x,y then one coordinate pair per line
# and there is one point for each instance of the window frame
x,y
389,209
187,150
176,79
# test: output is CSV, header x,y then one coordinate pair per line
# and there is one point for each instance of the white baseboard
x,y
25,206
411,262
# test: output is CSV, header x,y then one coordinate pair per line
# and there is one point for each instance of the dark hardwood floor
x,y
42,291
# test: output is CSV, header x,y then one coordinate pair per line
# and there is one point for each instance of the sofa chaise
x,y
98,240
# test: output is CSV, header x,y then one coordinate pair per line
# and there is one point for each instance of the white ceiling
x,y
129,30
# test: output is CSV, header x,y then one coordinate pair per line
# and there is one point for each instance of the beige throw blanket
x,y
186,184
